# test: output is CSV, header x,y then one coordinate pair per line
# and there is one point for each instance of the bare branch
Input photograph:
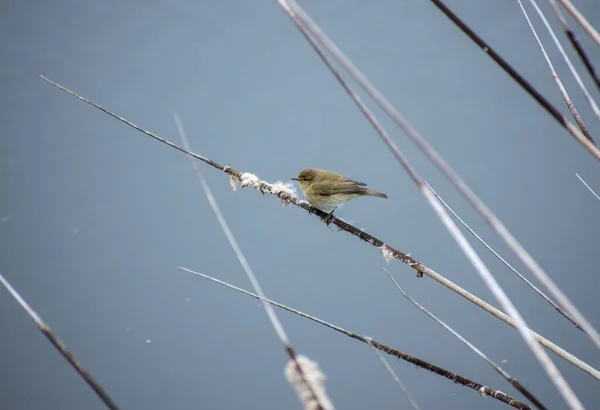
x,y
61,347
231,239
552,110
575,43
549,367
547,364
555,76
494,365
454,377
304,23
515,271
266,188
565,57
390,369
311,393
589,29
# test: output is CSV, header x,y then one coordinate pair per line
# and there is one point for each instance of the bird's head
x,y
306,177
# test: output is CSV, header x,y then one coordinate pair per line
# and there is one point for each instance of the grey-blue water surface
x,y
96,216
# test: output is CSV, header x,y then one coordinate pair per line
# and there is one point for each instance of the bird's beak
x,y
294,179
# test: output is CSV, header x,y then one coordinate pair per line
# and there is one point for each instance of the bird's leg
x,y
329,217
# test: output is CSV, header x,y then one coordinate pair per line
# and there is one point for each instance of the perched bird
x,y
326,190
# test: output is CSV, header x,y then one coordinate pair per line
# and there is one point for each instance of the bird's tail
x,y
370,192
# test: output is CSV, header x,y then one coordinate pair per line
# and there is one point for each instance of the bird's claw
x,y
329,218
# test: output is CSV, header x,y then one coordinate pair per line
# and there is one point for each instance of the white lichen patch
x,y
286,191
482,391
388,255
233,182
233,179
250,180
286,188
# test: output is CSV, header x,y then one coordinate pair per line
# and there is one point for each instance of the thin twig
x,y
589,29
514,270
61,347
547,364
588,187
249,273
556,114
266,188
307,24
567,59
575,43
494,365
231,239
555,76
541,355
454,377
390,369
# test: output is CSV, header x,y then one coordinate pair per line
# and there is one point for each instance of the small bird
x,y
326,190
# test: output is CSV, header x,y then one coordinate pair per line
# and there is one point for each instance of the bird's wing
x,y
346,179
345,186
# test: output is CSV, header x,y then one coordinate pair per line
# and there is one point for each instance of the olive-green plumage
x,y
326,190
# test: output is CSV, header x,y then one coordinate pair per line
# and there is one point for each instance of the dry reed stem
x,y
515,271
549,367
454,377
526,85
309,382
567,60
589,29
308,392
555,76
311,29
266,188
61,347
394,376
575,43
514,382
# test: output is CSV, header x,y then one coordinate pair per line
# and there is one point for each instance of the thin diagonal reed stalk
x,y
231,239
567,59
588,187
306,24
575,43
454,377
515,271
61,347
392,373
266,188
556,114
549,367
555,76
547,364
322,403
587,27
514,382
